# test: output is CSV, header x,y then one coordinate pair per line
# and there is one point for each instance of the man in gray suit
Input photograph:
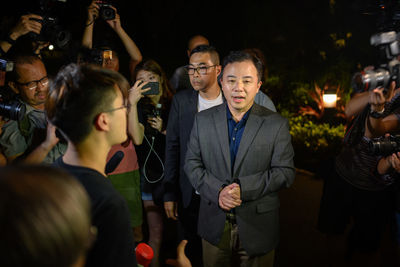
x,y
239,156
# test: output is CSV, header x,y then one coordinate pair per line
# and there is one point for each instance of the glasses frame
x,y
127,106
205,68
36,83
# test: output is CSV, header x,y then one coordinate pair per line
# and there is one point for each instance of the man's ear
x,y
102,122
259,85
13,86
218,69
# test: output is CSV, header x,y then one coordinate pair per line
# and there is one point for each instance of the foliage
x,y
313,142
315,136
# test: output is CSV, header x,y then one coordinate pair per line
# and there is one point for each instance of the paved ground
x,y
301,243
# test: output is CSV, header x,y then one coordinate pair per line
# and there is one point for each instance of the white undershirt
x,y
206,104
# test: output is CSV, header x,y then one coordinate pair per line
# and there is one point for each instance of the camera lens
x,y
13,110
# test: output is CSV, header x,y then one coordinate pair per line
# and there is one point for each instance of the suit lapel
x,y
252,126
193,102
221,125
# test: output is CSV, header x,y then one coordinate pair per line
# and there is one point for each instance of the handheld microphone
x,y
114,161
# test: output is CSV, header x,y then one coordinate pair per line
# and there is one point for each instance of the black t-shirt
x,y
114,244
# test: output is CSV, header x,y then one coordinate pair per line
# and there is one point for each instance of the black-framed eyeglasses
x,y
200,70
127,106
32,85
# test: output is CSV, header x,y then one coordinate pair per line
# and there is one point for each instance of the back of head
x,y
241,56
45,217
207,49
78,94
196,41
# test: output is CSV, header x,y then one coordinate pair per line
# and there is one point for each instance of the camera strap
x,y
24,127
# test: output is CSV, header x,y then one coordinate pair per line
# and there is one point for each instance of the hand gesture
x,y
171,210
51,138
27,23
229,197
136,92
377,98
93,12
181,259
155,122
115,24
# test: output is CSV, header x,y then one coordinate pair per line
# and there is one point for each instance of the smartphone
x,y
155,88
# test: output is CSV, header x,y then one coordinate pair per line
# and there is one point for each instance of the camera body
x,y
51,31
106,12
389,48
385,146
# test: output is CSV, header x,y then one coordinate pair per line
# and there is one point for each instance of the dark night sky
x,y
290,33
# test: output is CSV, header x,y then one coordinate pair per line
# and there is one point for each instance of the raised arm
x,y
376,127
93,14
135,128
27,23
356,104
129,44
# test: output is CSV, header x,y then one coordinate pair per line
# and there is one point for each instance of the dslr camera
x,y
106,11
385,146
387,14
389,48
52,30
10,107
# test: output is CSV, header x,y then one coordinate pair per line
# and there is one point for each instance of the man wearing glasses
x,y
203,70
89,105
31,139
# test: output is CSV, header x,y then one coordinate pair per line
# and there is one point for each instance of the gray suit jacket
x,y
263,165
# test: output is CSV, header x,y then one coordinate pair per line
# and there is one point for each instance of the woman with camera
x,y
153,111
355,190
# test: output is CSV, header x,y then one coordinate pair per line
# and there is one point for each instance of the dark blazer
x,y
263,165
180,122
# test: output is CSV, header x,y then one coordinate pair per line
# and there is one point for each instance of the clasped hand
x,y
229,197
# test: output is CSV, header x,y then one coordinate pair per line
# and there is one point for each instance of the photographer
x,y
26,24
115,24
30,139
354,190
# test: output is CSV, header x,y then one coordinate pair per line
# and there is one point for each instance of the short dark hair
x,y
45,217
207,49
240,56
78,94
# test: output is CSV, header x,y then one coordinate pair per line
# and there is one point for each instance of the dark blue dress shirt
x,y
235,131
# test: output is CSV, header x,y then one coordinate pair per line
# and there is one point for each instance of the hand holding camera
x,y
115,23
93,13
27,23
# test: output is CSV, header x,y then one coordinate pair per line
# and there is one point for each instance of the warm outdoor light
x,y
330,98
